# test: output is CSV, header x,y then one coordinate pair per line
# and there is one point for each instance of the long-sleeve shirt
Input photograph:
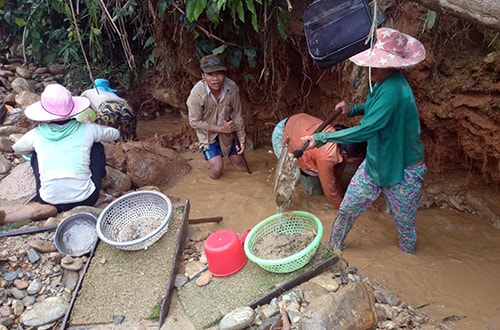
x,y
391,128
205,111
97,97
316,161
63,153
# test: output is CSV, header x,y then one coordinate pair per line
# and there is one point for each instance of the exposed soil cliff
x,y
457,87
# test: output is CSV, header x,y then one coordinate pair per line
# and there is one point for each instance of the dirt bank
x,y
457,87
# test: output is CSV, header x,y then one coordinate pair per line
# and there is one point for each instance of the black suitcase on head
x,y
336,30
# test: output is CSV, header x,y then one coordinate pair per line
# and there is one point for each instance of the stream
x,y
456,268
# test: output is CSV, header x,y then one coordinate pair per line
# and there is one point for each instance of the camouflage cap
x,y
212,63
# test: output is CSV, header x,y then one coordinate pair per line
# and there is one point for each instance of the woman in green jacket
x,y
394,164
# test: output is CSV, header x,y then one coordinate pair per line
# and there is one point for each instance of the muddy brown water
x,y
455,271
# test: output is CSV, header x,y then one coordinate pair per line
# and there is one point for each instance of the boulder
x,y
32,211
25,98
19,185
149,164
116,182
351,307
20,84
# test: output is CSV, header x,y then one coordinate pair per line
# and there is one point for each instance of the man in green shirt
x,y
394,164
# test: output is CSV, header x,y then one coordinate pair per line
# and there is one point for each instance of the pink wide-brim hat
x,y
56,104
393,49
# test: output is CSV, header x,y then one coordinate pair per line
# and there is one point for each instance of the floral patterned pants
x,y
402,199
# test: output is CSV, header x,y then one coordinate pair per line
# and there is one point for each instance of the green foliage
x,y
73,31
492,39
430,20
77,80
155,313
14,225
328,254
194,8
162,7
232,24
283,20
214,10
179,209
81,33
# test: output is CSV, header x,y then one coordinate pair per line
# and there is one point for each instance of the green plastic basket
x,y
293,222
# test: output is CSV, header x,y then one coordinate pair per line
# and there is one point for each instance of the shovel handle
x,y
300,151
237,141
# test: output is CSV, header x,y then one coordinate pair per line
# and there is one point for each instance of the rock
x,y
5,144
392,299
385,312
17,307
269,311
21,284
33,256
52,221
146,163
23,72
10,276
70,263
6,323
14,116
403,319
47,311
10,130
34,211
4,165
197,234
34,287
58,69
19,184
70,279
155,188
20,84
180,280
6,73
10,98
351,307
42,246
3,112
41,70
204,279
4,311
17,294
193,268
6,83
238,319
25,98
116,182
149,164
326,281
115,156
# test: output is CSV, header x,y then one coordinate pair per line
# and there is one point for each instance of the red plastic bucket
x,y
224,252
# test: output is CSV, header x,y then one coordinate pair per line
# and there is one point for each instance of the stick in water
x,y
237,142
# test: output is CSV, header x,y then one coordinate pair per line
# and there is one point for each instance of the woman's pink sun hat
x,y
393,49
56,104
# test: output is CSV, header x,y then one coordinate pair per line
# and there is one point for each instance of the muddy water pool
x,y
455,271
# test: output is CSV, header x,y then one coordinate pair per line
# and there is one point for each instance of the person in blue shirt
x,y
394,164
